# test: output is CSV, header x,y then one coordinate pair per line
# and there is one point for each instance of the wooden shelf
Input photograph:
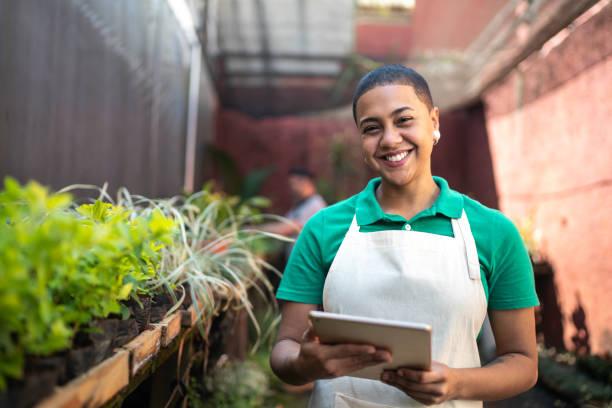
x,y
119,374
95,387
170,327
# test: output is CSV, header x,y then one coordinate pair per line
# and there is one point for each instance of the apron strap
x,y
461,227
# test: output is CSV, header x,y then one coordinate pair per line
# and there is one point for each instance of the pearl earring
x,y
436,136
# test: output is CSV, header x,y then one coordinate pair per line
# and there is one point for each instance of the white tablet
x,y
410,343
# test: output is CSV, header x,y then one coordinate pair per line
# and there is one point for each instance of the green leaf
x,y
125,291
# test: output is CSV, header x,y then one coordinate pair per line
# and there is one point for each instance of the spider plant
x,y
215,252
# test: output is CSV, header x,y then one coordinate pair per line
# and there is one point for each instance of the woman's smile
x,y
396,158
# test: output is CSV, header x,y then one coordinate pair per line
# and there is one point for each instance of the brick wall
x,y
551,146
284,142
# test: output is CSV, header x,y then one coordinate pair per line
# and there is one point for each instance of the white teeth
x,y
396,157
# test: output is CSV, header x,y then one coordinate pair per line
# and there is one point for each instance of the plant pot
x,y
42,374
103,340
79,360
32,388
55,362
126,331
141,312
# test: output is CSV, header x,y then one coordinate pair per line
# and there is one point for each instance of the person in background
x,y
307,203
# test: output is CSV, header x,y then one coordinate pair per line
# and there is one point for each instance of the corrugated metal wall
x,y
94,91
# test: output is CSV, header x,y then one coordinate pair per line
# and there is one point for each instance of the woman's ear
x,y
434,115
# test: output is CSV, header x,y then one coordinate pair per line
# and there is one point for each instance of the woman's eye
x,y
370,129
404,119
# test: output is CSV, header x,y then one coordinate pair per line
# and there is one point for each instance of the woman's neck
x,y
408,200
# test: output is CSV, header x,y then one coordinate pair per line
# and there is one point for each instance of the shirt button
x,y
407,227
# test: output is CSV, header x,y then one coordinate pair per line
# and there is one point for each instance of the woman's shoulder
x,y
481,216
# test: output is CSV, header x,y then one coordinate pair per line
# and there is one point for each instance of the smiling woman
x,y
397,142
408,248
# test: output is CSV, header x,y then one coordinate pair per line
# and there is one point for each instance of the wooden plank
x,y
144,348
95,387
171,327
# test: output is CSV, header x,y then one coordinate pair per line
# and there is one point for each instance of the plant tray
x,y
144,348
95,387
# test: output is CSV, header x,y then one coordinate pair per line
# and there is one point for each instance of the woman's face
x,y
396,131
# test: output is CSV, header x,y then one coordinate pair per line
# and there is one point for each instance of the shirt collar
x,y
449,203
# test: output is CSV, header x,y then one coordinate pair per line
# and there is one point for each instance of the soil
x,y
160,305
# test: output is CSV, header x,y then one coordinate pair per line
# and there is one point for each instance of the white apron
x,y
412,276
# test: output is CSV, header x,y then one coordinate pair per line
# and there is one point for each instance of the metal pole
x,y
192,116
183,15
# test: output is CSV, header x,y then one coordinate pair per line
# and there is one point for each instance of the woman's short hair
x,y
393,74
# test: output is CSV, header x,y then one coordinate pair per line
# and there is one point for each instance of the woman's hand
x,y
427,387
316,360
299,357
515,369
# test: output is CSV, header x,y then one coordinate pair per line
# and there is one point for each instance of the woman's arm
x,y
515,369
298,357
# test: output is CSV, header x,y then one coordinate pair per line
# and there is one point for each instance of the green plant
x,y
236,384
31,225
217,254
131,250
236,184
60,268
559,373
596,366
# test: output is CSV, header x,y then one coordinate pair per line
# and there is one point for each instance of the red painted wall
x,y
383,40
289,141
551,146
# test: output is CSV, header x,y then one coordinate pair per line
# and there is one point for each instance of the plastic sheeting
x,y
94,91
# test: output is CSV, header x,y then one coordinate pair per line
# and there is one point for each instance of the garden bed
x,y
94,295
108,379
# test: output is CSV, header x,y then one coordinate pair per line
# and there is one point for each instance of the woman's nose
x,y
390,137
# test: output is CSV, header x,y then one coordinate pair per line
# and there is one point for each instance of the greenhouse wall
x,y
95,92
551,142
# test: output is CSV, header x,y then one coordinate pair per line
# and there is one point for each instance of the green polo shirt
x,y
505,268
